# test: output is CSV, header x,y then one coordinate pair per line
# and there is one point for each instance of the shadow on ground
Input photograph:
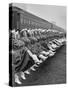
x,y
52,71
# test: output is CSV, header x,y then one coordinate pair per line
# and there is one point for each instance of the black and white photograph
x,y
37,44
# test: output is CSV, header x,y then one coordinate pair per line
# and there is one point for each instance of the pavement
x,y
52,71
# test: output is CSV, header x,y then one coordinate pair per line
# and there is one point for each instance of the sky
x,y
51,13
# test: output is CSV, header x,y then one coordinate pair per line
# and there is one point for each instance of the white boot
x,y
42,57
17,79
44,52
51,53
35,65
32,68
34,56
27,72
23,75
